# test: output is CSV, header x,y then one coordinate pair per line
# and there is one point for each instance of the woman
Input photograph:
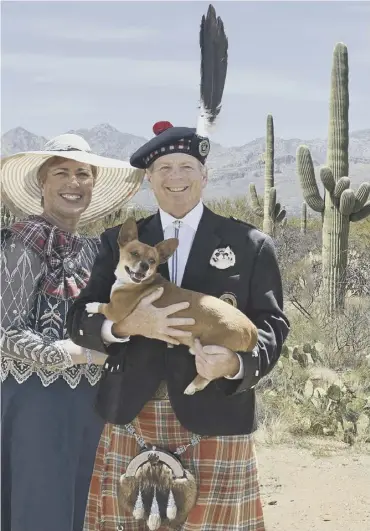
x,y
50,430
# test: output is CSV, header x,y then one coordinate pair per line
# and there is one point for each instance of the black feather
x,y
213,69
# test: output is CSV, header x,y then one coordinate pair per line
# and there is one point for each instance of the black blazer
x,y
225,407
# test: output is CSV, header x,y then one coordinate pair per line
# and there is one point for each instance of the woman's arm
x,y
20,273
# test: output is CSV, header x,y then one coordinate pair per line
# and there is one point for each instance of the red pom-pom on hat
x,y
159,127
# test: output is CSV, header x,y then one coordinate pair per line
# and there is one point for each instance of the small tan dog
x,y
216,321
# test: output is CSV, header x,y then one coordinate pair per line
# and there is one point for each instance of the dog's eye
x,y
151,261
135,254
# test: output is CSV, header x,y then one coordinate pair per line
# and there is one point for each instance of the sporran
x,y
156,487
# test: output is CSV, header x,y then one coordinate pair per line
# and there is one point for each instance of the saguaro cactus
x,y
340,204
271,211
304,218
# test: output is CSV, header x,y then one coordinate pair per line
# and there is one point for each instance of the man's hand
x,y
154,323
213,361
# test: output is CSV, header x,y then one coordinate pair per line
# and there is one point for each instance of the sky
x,y
69,65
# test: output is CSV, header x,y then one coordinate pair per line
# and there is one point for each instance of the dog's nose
x,y
144,266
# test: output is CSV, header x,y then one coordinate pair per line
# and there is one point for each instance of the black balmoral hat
x,y
213,68
169,140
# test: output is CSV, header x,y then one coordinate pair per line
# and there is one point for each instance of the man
x,y
145,380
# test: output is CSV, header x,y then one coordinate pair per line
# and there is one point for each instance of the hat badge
x,y
204,147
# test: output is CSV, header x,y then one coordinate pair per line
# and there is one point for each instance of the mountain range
x,y
231,169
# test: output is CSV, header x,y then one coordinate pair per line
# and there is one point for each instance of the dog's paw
x,y
190,390
92,307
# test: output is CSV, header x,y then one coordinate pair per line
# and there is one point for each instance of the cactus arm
x,y
327,179
362,196
339,107
343,184
256,206
347,202
361,214
307,177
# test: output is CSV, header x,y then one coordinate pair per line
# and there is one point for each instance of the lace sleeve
x,y
20,272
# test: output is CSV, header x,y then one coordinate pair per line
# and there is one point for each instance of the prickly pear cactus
x,y
340,204
329,403
271,211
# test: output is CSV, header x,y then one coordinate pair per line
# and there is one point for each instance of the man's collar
x,y
191,219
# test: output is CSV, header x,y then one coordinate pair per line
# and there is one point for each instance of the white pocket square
x,y
222,258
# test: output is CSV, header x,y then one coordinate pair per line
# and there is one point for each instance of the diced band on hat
x,y
169,140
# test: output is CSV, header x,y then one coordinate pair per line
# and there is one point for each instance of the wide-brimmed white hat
x,y
116,182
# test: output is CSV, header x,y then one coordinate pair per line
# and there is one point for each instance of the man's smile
x,y
177,189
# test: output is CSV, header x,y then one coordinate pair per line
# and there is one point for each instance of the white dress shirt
x,y
188,229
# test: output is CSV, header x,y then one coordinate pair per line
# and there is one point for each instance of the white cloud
x,y
121,71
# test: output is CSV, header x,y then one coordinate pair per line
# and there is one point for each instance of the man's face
x,y
177,181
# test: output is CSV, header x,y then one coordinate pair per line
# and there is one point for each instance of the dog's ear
x,y
166,249
128,232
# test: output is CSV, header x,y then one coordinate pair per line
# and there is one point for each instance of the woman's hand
x,y
79,354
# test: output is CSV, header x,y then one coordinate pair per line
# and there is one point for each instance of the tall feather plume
x,y
213,68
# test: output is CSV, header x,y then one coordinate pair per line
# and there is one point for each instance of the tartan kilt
x,y
225,469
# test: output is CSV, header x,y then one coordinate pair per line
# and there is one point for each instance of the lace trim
x,y
21,371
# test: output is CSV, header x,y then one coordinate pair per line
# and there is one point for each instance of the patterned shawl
x,y
60,252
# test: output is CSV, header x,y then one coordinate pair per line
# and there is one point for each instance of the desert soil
x,y
315,488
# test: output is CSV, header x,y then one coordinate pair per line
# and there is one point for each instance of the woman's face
x,y
67,188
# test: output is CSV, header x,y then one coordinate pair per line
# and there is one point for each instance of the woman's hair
x,y
54,161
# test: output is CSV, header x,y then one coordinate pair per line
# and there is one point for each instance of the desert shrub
x,y
314,400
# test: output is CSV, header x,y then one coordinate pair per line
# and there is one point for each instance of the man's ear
x,y
128,232
166,249
205,176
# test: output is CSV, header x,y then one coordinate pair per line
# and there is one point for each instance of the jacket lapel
x,y
205,242
151,234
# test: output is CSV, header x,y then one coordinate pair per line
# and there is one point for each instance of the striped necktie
x,y
177,224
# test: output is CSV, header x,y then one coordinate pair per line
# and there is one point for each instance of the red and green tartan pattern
x,y
225,469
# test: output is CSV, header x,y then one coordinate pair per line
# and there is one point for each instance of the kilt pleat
x,y
225,469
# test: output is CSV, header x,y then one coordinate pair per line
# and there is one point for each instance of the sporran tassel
x,y
139,512
171,507
214,48
154,520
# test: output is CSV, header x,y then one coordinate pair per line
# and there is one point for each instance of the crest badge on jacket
x,y
223,258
